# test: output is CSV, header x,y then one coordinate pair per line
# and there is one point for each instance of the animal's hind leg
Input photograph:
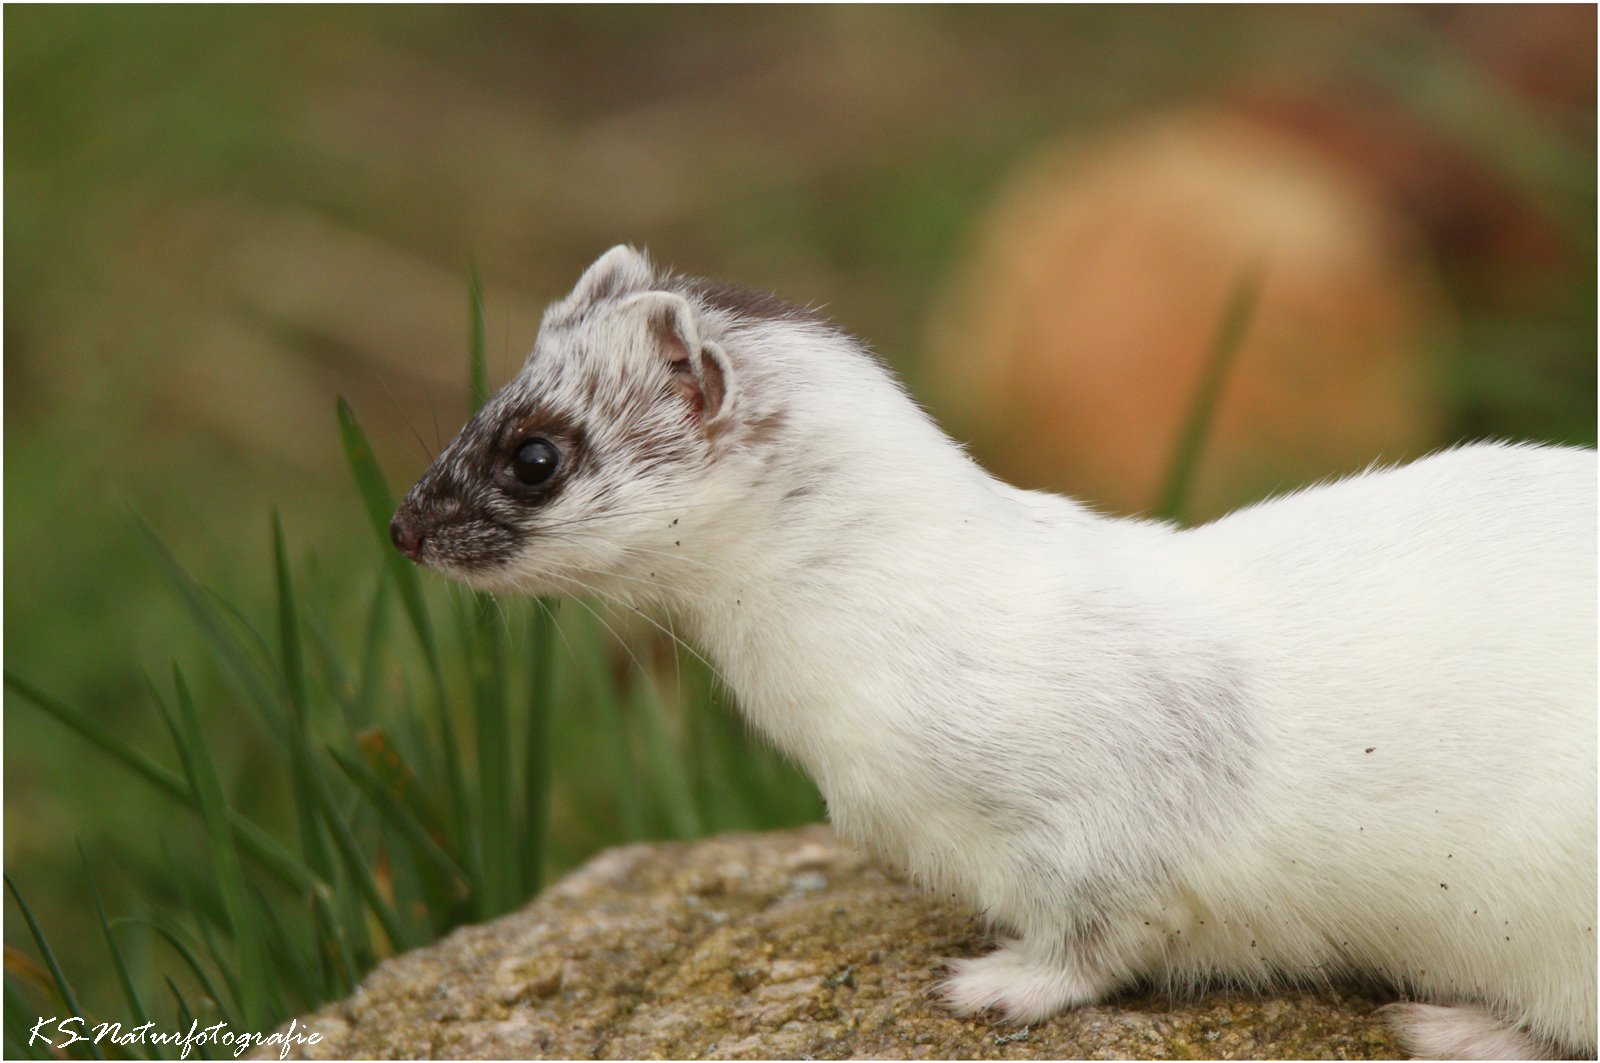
x,y
1433,1031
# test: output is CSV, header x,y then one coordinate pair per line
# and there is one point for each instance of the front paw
x,y
1019,987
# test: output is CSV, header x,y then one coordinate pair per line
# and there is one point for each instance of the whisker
x,y
614,634
641,548
395,402
505,614
672,635
555,623
581,537
662,589
585,589
434,410
612,514
677,657
505,349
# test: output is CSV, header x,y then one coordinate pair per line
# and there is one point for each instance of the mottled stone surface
x,y
789,945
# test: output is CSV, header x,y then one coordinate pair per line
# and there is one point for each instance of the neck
x,y
880,555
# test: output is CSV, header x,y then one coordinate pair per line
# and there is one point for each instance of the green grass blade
x,y
351,913
190,956
374,643
288,964
491,716
19,1032
243,919
261,846
1219,360
197,896
713,752
291,658
241,669
380,505
63,988
670,778
336,962
383,760
219,959
301,765
252,639
31,973
335,677
477,357
130,992
536,774
186,1018
380,510
454,887
607,712
1447,90
360,872
466,826
387,771
768,791
337,947
86,728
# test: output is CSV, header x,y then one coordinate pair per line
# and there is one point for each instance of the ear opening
x,y
701,373
716,381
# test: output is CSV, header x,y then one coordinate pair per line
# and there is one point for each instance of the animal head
x,y
625,449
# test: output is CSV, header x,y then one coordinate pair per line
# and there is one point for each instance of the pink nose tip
x,y
405,539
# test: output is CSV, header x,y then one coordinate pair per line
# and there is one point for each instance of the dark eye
x,y
535,462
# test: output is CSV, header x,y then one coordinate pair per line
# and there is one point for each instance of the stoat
x,y
1348,731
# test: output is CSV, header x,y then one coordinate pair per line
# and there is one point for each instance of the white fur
x,y
1346,731
1432,1032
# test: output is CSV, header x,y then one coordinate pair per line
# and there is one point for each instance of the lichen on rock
x,y
788,945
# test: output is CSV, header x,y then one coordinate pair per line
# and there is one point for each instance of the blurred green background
x,y
220,218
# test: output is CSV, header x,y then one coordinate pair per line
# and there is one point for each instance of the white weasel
x,y
1350,731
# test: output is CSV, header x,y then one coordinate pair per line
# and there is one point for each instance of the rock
x,y
788,945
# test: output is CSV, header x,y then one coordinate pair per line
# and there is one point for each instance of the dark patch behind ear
x,y
748,303
753,305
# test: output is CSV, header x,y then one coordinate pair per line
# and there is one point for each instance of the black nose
x,y
406,540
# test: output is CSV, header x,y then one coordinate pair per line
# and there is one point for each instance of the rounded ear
x,y
701,372
717,381
617,272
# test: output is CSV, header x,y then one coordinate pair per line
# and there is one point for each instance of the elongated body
x,y
1346,732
